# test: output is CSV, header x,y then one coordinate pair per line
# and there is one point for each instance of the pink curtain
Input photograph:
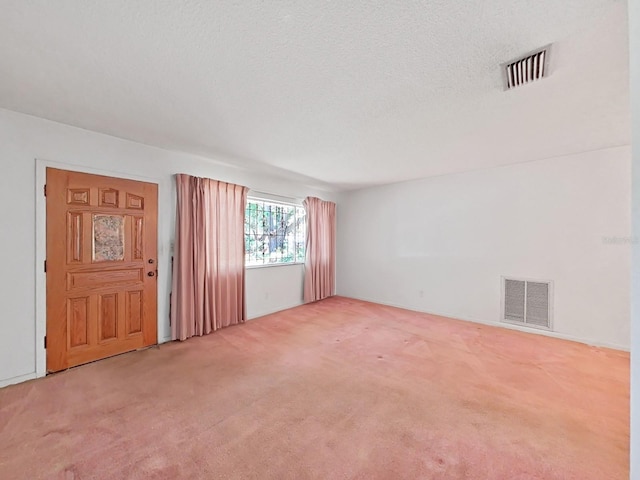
x,y
320,261
208,264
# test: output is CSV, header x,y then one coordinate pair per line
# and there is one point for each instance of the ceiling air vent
x,y
529,68
526,302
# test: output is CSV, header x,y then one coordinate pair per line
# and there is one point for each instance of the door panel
x,y
101,267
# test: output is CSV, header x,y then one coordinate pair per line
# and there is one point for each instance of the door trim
x,y
41,251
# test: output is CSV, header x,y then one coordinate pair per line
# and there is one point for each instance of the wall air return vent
x,y
529,68
527,302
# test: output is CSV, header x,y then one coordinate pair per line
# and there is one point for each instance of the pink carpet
x,y
340,389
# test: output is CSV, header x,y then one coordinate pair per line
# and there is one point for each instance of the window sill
x,y
267,265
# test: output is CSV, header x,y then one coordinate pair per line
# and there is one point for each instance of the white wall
x,y
440,245
634,40
264,288
23,139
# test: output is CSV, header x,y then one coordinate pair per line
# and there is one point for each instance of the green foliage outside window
x,y
274,233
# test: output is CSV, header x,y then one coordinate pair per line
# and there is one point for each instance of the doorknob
x,y
151,274
150,260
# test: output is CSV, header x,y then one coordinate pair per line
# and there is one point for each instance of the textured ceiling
x,y
347,93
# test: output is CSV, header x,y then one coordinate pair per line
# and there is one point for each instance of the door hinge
x,y
45,266
45,341
45,189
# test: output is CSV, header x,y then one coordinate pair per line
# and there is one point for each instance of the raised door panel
x,y
75,237
78,322
137,241
134,312
94,278
135,202
108,317
108,197
78,196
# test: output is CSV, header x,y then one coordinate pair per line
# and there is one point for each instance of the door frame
x,y
41,251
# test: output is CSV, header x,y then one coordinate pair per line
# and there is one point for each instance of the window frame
x,y
266,200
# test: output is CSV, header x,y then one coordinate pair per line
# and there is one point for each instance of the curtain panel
x,y
320,259
208,285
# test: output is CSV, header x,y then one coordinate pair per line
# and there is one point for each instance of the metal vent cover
x,y
527,302
528,68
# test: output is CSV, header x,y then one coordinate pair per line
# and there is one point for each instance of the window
x,y
274,233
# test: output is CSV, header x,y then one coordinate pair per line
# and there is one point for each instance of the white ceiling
x,y
349,93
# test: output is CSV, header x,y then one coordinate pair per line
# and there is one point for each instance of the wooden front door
x,y
101,267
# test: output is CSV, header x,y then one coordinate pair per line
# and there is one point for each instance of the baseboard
x,y
18,379
275,310
509,326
